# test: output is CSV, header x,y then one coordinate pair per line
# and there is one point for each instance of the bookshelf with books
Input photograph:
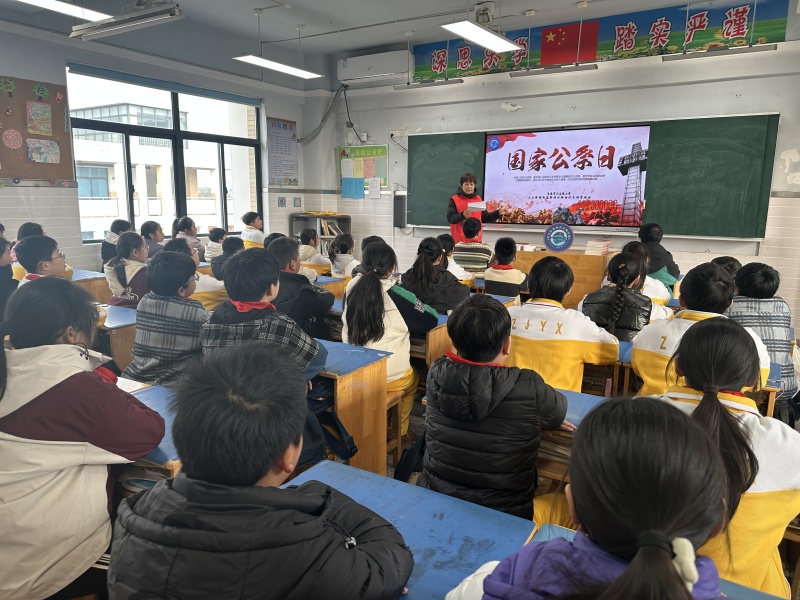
x,y
327,225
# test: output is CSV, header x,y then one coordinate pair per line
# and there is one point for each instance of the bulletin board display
x,y
364,162
35,142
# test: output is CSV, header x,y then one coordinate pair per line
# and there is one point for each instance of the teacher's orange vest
x,y
461,203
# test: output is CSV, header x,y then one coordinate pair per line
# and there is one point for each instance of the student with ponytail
x,y
127,272
381,315
185,228
430,280
341,256
620,308
647,489
63,422
717,358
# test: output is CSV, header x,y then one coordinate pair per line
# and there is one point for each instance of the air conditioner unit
x,y
387,67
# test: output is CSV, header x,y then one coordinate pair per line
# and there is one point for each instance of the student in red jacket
x,y
457,210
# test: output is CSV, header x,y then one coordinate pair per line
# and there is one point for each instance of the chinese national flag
x,y
560,43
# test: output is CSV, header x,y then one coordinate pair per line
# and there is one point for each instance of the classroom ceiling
x,y
351,26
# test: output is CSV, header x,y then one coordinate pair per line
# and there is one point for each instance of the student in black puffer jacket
x,y
484,419
621,308
430,281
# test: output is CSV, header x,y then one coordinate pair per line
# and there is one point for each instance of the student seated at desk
x,y
662,266
501,278
706,292
108,249
729,263
168,321
309,242
370,239
127,272
224,528
7,282
341,256
642,514
62,425
472,255
306,272
153,235
40,257
214,245
381,315
230,246
448,245
484,418
298,298
717,358
252,278
552,340
652,288
208,290
429,281
620,308
253,232
185,229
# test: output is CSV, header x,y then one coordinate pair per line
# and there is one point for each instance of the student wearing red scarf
x,y
457,210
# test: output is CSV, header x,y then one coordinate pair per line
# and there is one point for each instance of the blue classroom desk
x,y
449,538
121,326
335,285
579,405
93,282
733,591
157,398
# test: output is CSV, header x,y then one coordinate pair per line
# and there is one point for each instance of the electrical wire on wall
x,y
391,137
349,120
324,117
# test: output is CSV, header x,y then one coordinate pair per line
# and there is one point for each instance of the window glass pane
x,y
206,115
203,195
240,178
100,171
153,182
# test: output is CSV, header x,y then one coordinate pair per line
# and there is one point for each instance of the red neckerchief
x,y
244,307
732,393
502,267
464,361
32,276
287,271
106,375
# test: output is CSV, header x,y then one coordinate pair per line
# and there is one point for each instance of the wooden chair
x,y
394,444
792,534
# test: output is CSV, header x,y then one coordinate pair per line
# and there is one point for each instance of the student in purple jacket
x,y
647,489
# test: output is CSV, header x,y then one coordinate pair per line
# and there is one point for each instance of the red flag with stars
x,y
560,43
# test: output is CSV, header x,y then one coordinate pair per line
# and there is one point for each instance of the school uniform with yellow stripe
x,y
209,292
657,342
556,342
766,508
252,237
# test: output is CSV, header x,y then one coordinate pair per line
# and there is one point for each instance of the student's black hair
x,y
4,243
371,239
232,245
216,234
149,228
623,268
505,250
237,411
2,228
178,245
642,252
468,177
181,224
168,272
447,242
707,287
33,250
651,458
285,250
550,278
714,355
38,313
757,280
308,235
471,227
730,264
421,278
651,233
29,229
342,244
127,243
119,226
478,327
250,273
364,310
272,237
249,217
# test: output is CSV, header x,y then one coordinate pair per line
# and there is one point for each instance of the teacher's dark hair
x,y
468,178
550,278
364,309
471,227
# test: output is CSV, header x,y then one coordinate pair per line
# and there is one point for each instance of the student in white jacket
x,y
309,253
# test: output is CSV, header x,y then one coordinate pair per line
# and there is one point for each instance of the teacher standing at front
x,y
458,210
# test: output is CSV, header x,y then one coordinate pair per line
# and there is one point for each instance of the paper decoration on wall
x,y
7,86
40,91
43,151
298,202
281,201
40,118
12,139
59,96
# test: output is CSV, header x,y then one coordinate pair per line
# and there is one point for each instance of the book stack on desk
x,y
597,247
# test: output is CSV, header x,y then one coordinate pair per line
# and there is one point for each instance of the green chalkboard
x,y
711,177
435,165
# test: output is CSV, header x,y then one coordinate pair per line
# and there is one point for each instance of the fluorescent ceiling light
x,y
424,84
481,36
556,69
68,9
276,66
128,22
723,51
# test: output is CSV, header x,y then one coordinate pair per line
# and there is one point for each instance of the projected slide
x,y
591,177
